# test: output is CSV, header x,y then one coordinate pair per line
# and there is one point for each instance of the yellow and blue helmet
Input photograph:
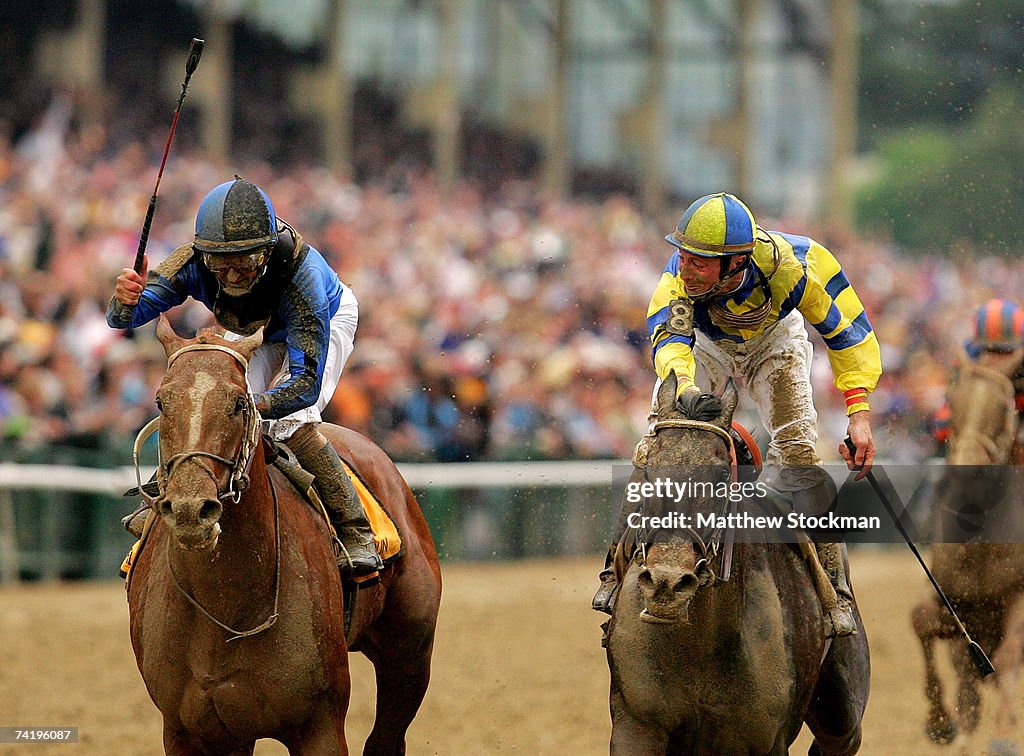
x,y
716,225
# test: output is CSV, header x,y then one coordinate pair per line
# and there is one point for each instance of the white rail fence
x,y
478,510
55,480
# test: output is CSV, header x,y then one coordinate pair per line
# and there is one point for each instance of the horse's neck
x,y
984,419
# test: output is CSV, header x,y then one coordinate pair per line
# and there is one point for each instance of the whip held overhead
x,y
195,51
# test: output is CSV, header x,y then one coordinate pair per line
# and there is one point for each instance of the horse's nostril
x,y
209,511
686,583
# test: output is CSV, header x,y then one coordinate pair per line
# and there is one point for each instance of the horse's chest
x,y
711,678
254,683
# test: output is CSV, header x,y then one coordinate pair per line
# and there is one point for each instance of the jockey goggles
x,y
246,263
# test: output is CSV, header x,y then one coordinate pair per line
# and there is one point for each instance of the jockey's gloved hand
x,y
693,402
686,388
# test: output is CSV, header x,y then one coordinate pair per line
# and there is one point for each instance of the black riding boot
x,y
359,555
604,599
136,521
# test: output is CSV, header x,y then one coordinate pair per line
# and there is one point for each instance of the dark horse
x,y
984,580
702,666
236,604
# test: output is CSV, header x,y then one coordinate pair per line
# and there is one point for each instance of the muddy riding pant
x,y
269,367
774,368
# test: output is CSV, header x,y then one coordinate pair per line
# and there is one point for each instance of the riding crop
x,y
195,50
975,651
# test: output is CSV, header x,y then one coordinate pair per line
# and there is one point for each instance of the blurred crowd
x,y
496,324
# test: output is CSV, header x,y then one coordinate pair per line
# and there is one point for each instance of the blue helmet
x,y
235,217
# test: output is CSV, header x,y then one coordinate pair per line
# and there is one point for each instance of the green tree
x,y
934,62
939,185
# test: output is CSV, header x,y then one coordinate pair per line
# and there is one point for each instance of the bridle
x,y
708,549
239,465
237,482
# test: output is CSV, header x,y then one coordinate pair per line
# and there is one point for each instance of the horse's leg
x,y
928,619
179,742
968,699
1007,660
630,735
841,696
323,732
402,674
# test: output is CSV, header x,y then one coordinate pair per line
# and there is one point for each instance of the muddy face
x,y
668,582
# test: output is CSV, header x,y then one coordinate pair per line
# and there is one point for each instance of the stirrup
x,y
840,620
604,599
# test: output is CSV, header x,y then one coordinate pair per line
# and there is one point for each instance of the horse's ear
x,y
666,399
730,398
249,344
165,332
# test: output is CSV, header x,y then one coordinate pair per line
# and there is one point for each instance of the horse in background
x,y
983,580
705,666
236,606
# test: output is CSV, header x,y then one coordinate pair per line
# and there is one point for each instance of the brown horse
x,y
985,580
703,666
236,605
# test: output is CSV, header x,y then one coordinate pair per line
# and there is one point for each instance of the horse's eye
x,y
239,405
159,405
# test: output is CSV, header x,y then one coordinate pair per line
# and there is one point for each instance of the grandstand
x,y
501,319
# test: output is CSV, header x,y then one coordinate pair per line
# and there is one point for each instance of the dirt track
x,y
65,660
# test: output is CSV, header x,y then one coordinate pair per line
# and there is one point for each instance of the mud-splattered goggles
x,y
250,262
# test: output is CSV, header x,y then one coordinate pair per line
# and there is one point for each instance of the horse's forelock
x,y
703,407
210,335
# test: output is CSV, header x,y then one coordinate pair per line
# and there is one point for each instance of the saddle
x,y
385,533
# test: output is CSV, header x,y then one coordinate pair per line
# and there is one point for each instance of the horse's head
x,y
983,422
983,427
208,431
689,443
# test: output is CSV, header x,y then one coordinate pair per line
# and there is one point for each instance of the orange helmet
x,y
998,327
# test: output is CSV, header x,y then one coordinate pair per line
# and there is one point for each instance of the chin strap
x,y
753,319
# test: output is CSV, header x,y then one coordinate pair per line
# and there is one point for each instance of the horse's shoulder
x,y
784,563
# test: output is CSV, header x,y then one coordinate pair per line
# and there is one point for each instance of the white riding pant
x,y
269,366
774,368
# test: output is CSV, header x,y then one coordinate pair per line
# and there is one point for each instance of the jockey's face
x,y
236,273
701,273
